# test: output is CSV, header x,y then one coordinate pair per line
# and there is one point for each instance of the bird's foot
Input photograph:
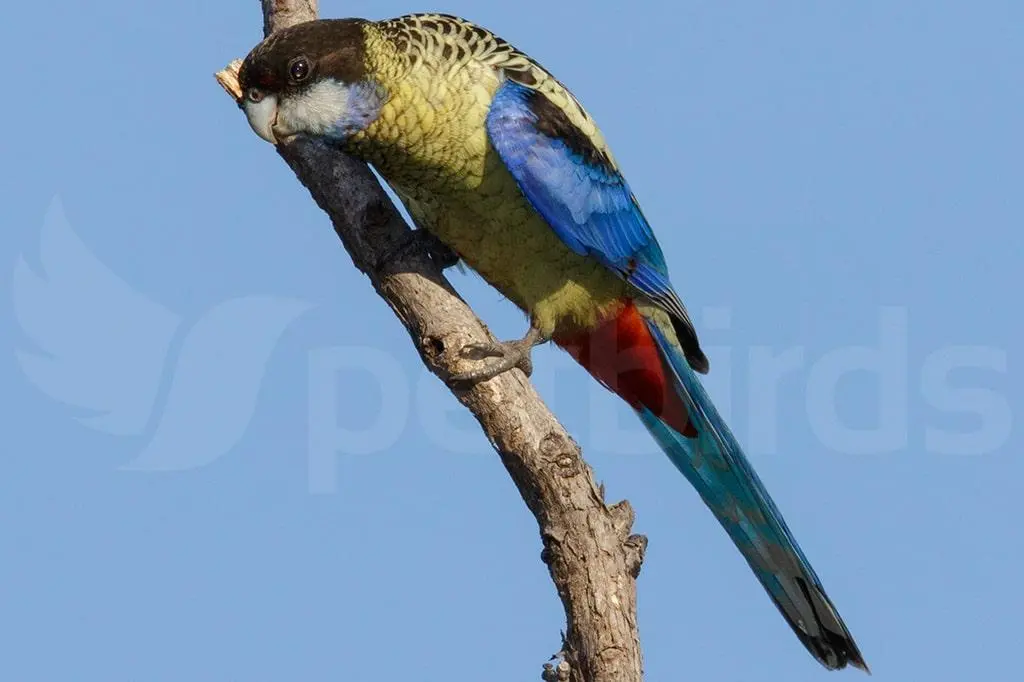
x,y
416,242
499,357
440,253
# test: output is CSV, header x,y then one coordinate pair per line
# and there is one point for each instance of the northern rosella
x,y
495,158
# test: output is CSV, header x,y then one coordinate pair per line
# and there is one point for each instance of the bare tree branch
x,y
592,558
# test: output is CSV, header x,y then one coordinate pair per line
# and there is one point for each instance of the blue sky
x,y
225,462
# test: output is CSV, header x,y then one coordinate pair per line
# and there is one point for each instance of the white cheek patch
x,y
317,110
261,116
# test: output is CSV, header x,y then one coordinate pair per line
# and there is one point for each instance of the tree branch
x,y
592,558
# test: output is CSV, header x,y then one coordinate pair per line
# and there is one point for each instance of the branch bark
x,y
591,555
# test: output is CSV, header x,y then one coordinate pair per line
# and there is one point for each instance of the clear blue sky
x,y
224,461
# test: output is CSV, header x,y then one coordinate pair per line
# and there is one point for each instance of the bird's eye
x,y
254,95
298,69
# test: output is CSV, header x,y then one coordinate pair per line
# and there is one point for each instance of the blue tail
x,y
715,465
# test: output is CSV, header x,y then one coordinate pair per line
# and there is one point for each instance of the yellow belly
x,y
430,143
496,231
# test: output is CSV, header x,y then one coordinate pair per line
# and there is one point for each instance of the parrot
x,y
498,162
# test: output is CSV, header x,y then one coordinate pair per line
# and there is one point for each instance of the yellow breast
x,y
498,234
430,143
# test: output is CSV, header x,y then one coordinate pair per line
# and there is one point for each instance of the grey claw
x,y
480,351
421,240
498,358
443,255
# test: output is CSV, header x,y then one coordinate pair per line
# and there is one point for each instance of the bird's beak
x,y
262,117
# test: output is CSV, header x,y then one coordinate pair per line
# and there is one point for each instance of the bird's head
x,y
310,79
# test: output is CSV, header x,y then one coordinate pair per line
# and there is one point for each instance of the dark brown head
x,y
309,79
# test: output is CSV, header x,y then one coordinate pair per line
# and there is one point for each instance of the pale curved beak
x,y
281,133
262,116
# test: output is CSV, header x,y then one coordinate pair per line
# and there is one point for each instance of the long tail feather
x,y
714,463
634,357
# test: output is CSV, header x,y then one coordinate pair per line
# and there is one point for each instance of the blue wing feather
x,y
588,205
584,199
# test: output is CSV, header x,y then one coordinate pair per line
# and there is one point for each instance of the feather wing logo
x,y
131,366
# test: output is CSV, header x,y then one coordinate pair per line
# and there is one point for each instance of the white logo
x,y
134,368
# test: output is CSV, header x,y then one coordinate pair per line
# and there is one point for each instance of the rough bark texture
x,y
592,558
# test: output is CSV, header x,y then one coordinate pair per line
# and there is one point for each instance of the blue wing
x,y
575,187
